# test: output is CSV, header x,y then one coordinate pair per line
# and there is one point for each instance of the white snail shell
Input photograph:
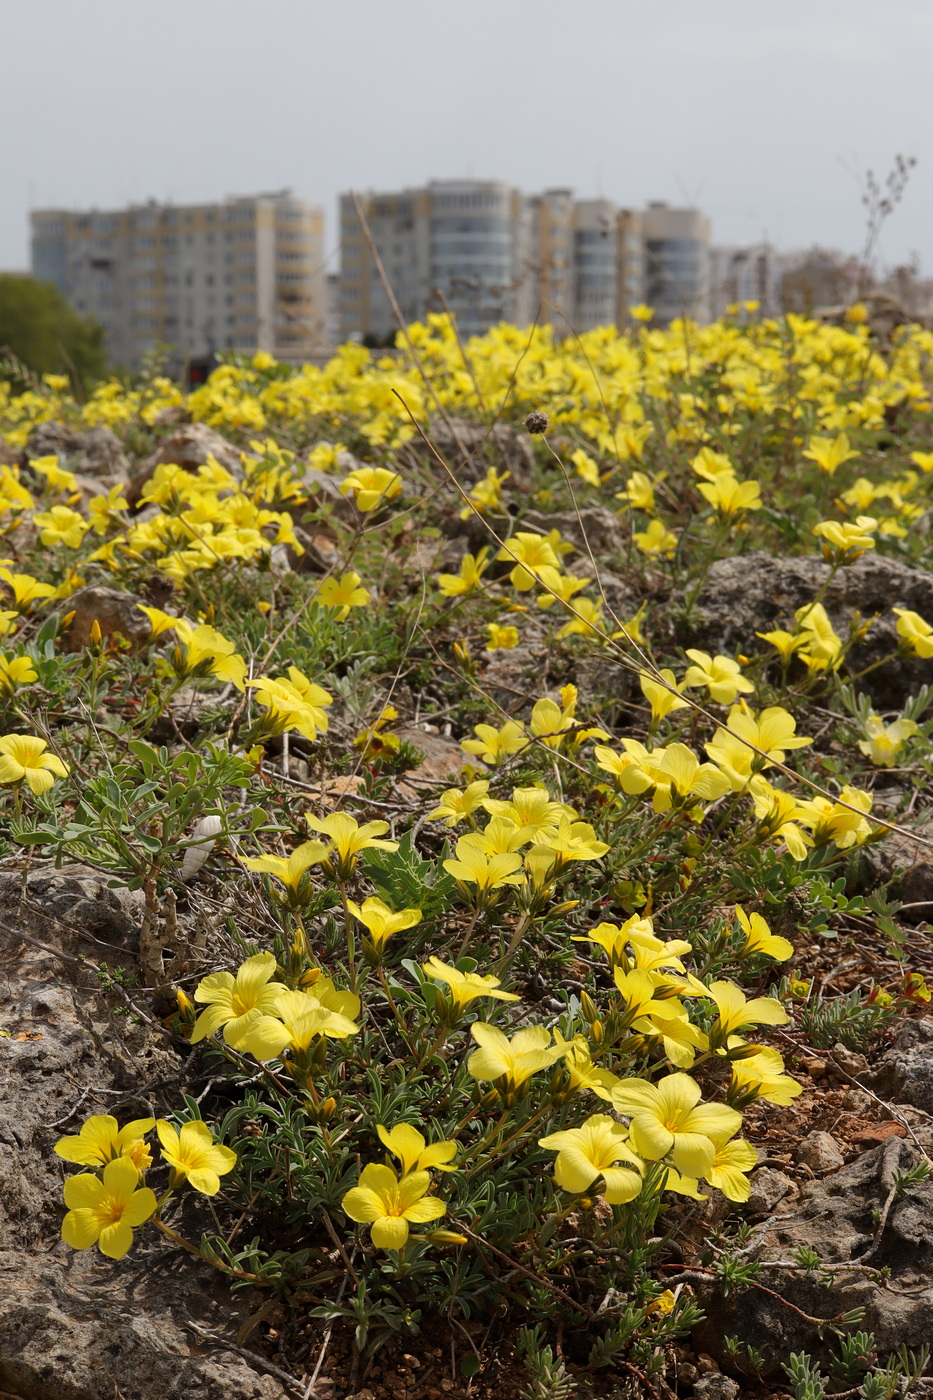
x,y
199,846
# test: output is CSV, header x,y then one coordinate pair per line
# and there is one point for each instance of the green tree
x,y
46,334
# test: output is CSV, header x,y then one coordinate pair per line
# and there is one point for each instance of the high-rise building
x,y
550,268
463,243
676,262
488,253
595,264
744,275
630,264
245,274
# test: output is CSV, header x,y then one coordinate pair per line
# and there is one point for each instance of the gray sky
x,y
760,113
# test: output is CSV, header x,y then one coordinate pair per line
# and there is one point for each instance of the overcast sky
x,y
762,114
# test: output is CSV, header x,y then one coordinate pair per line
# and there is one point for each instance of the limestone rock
x,y
819,1152
596,526
904,1074
73,1325
757,593
112,610
768,1188
838,1217
189,447
716,1386
470,449
96,453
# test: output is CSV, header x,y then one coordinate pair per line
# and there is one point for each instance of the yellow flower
x,y
501,638
104,1212
772,731
291,870
101,1140
511,1061
588,619
844,542
613,938
778,813
924,460
662,699
592,1152
472,568
883,744
297,1020
235,1003
56,477
581,1072
915,632
531,809
455,805
23,756
295,703
474,866
587,469
343,594
721,676
667,1119
411,1149
203,651
760,939
60,525
736,1014
641,312
656,539
465,986
829,821
729,1170
486,495
728,496
785,643
388,1205
159,621
570,842
25,588
680,775
562,588
371,487
709,464
822,647
829,453
380,921
104,511
529,554
349,839
15,671
195,1156
761,1076
549,722
638,493
494,745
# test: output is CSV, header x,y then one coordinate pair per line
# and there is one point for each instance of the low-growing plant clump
x,y
493,901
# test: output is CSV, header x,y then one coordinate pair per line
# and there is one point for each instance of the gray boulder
x,y
74,1325
838,1217
757,592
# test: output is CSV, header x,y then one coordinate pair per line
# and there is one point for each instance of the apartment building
x,y
459,243
739,275
595,264
489,253
550,270
676,263
245,274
